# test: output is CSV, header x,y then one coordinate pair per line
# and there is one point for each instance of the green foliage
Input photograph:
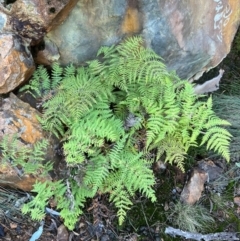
x,y
31,159
44,192
41,84
70,209
112,113
226,107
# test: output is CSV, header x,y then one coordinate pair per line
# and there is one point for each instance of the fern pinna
x,y
104,110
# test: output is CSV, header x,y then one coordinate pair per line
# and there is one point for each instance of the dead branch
x,y
201,237
210,85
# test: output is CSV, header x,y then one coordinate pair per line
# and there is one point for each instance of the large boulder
x,y
191,36
90,25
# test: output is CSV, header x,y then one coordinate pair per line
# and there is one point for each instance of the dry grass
x,y
192,218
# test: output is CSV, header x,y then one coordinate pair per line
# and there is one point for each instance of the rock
x,y
210,85
48,54
32,19
62,233
24,23
90,25
17,117
217,179
237,201
192,36
16,62
9,177
186,34
4,21
214,172
206,171
192,191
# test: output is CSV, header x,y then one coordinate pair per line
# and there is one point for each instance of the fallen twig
x,y
210,85
201,237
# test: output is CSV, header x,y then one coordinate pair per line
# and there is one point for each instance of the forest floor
x,y
145,221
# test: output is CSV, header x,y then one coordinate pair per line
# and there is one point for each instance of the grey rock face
x,y
191,36
90,25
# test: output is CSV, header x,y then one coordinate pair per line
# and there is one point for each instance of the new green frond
x,y
57,73
39,84
29,159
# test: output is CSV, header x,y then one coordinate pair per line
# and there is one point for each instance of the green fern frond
x,y
39,84
30,159
74,154
55,116
106,51
69,71
218,139
70,217
96,172
36,213
115,152
39,150
57,75
122,202
173,148
216,121
44,79
97,69
36,207
104,126
9,148
139,177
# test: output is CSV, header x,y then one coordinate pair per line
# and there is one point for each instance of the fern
x,y
68,71
111,114
44,191
122,184
100,167
40,83
30,159
74,97
57,75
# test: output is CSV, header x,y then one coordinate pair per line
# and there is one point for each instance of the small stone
x,y
13,225
192,191
214,171
178,189
166,206
237,200
62,233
